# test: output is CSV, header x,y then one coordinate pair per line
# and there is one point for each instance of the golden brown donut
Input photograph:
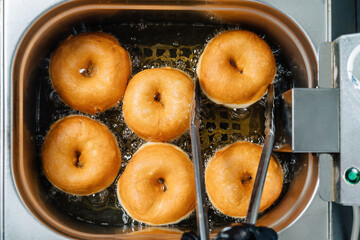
x,y
80,156
89,71
230,176
158,185
236,68
157,103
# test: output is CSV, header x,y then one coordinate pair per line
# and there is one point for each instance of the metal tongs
x,y
253,209
201,208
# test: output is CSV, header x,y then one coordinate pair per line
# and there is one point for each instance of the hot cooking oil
x,y
153,45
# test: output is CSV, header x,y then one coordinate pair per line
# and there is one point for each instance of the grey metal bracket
x,y
311,120
326,120
339,67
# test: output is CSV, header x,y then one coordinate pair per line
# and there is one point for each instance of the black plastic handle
x,y
241,232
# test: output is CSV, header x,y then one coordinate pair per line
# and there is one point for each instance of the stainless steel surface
x,y
2,130
201,207
326,66
266,152
312,15
313,225
18,15
327,177
311,120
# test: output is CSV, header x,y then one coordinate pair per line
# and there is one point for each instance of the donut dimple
x,y
230,176
89,71
157,103
158,186
80,156
236,68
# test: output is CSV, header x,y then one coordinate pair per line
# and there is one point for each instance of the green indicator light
x,y
352,175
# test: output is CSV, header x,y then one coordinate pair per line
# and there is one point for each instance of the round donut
x,y
90,71
158,185
80,156
157,103
230,176
236,68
